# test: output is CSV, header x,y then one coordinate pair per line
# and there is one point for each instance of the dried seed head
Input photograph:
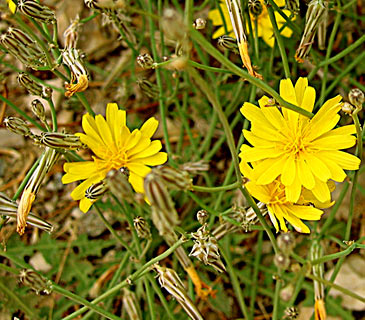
x,y
286,242
9,208
142,227
174,179
293,6
145,61
36,11
348,108
356,97
17,126
131,305
96,190
229,43
199,24
202,216
35,281
282,261
149,89
117,181
255,7
206,249
32,87
195,167
38,110
59,140
291,313
170,280
25,204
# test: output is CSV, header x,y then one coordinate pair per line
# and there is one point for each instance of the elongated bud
x,y
170,280
118,184
206,249
315,14
59,140
293,6
282,261
142,227
229,43
199,24
71,34
195,167
145,61
322,30
17,126
356,97
38,110
9,208
286,242
148,88
255,7
28,83
96,190
174,179
36,11
202,216
131,305
35,281
104,5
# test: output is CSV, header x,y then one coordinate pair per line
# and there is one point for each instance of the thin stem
x,y
216,189
53,113
149,294
275,313
25,180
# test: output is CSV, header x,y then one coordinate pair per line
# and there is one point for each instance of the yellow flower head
x,y
302,152
279,208
264,26
114,147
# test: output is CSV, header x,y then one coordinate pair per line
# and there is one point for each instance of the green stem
x,y
217,189
53,113
149,294
279,40
294,26
89,18
275,313
207,68
25,180
196,36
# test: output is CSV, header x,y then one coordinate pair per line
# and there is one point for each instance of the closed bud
x,y
96,191
347,108
32,87
255,7
149,89
145,61
142,227
38,110
71,35
174,179
131,305
229,43
195,167
291,313
59,140
286,242
117,181
356,97
169,279
36,11
199,24
202,216
287,292
293,6
281,261
35,281
173,25
17,126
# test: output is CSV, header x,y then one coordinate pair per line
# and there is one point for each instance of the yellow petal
x,y
257,153
258,192
309,98
149,127
255,115
12,6
272,171
300,86
344,160
133,139
334,142
90,127
287,91
98,148
305,212
305,174
318,168
293,191
104,131
288,171
321,191
155,160
296,223
137,182
337,173
85,204
79,192
154,147
139,169
279,214
78,171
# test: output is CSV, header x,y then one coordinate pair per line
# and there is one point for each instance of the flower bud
x,y
347,108
35,281
199,24
286,242
174,179
131,305
173,25
117,181
38,110
356,97
32,87
229,43
202,216
59,140
36,11
195,167
148,88
96,191
255,7
293,6
145,61
282,261
142,227
291,313
287,292
17,126
71,35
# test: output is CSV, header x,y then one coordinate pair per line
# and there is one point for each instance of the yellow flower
x,y
114,147
298,150
12,5
264,26
279,208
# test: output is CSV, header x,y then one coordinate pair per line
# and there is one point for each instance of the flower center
x,y
278,193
